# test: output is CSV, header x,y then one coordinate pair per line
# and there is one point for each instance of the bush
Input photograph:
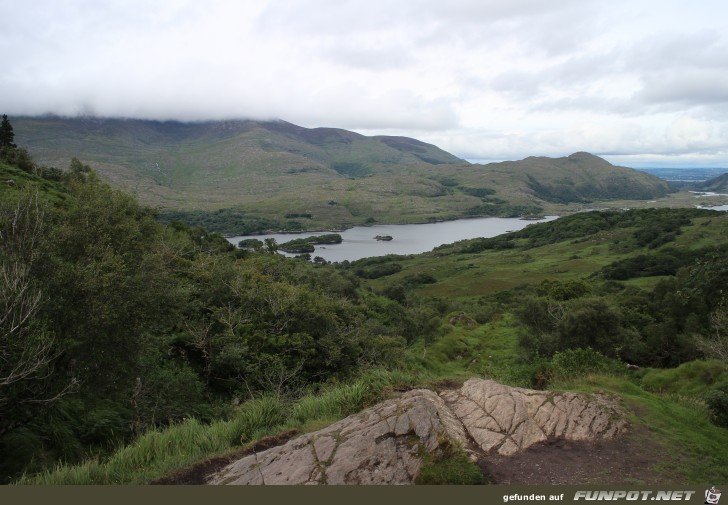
x,y
378,271
717,402
693,378
580,362
419,278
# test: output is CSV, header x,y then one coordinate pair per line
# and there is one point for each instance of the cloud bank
x,y
639,80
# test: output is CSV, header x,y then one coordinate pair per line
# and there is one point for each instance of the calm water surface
x,y
359,242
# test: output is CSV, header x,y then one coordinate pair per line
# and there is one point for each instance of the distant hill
x,y
717,184
583,177
245,175
148,145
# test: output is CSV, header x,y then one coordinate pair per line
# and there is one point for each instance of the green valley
x,y
238,177
134,350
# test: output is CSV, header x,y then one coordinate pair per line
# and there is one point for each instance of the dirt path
x,y
628,460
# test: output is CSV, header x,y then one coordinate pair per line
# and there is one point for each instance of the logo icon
x,y
712,496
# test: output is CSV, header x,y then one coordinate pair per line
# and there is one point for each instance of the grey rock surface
x,y
506,420
386,444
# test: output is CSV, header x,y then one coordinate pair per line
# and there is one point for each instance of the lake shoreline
x,y
371,225
361,241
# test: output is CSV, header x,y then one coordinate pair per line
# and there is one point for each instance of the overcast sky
x,y
641,82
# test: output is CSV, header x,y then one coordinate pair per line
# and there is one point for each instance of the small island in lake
x,y
383,237
305,245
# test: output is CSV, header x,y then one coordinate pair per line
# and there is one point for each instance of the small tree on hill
x,y
7,136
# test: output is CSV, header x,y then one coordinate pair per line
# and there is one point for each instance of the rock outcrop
x,y
506,420
388,443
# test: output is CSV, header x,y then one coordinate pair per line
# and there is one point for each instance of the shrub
x,y
258,416
580,362
693,378
378,271
717,402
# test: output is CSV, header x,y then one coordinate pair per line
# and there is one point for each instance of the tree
x,y
111,290
27,348
716,345
7,136
271,245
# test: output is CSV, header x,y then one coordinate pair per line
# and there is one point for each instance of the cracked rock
x,y
386,444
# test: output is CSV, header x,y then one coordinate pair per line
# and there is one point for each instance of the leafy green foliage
x,y
231,221
580,362
7,135
329,238
299,245
306,245
691,379
585,224
251,243
644,265
717,402
452,467
156,332
374,268
150,324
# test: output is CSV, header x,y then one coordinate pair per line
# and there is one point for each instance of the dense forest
x,y
114,325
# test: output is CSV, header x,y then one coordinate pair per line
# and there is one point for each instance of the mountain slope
x,y
717,184
167,151
272,174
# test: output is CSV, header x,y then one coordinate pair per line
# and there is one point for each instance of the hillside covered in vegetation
x,y
133,349
718,184
241,177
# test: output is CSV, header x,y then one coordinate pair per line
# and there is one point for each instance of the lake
x,y
359,242
722,208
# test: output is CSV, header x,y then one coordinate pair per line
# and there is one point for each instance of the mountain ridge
x,y
268,170
715,184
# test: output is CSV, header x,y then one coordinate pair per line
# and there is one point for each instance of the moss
x,y
451,466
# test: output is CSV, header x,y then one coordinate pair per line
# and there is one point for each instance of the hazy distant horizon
x,y
635,81
614,159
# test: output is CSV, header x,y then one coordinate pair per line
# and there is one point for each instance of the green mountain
x,y
246,175
717,184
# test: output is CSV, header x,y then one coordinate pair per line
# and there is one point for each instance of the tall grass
x,y
331,403
689,379
162,451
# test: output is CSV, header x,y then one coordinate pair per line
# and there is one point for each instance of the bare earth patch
x,y
629,459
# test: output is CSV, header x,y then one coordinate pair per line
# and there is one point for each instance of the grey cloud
x,y
524,70
396,109
679,71
518,82
545,25
693,50
590,103
369,57
573,75
696,87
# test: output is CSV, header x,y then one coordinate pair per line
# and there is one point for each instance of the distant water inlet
x,y
361,241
